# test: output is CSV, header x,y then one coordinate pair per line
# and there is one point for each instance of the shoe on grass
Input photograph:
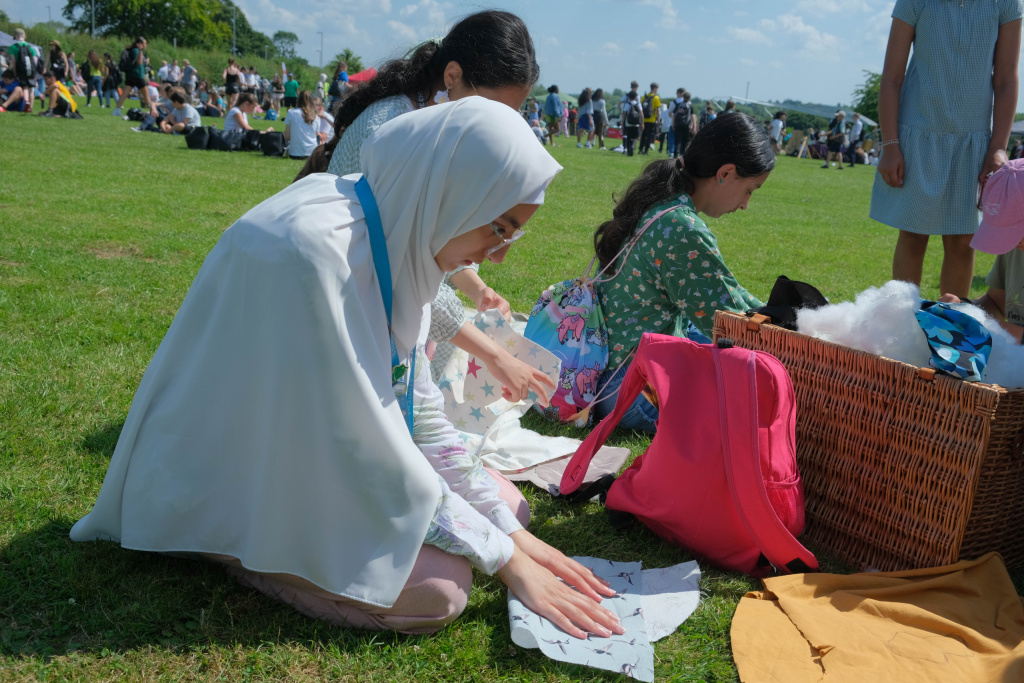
x,y
48,114
116,112
135,129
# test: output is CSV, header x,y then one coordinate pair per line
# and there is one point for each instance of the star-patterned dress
x,y
674,276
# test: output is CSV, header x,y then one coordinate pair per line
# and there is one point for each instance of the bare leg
x,y
908,259
957,265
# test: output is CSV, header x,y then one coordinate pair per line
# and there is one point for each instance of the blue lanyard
x,y
402,375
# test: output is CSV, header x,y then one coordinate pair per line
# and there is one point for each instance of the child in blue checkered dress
x,y
945,124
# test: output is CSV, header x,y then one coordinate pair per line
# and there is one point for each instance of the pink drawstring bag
x,y
720,476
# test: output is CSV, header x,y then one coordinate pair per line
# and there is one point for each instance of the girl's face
x,y
472,247
730,192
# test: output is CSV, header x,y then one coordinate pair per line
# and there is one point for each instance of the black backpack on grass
x,y
198,138
225,141
251,140
273,144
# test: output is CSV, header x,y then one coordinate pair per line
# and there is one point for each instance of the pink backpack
x,y
720,476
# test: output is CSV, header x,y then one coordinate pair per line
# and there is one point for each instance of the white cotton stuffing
x,y
881,321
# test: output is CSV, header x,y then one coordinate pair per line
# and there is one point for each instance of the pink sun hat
x,y
1002,208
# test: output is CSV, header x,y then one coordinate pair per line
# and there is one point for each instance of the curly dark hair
x,y
737,139
494,49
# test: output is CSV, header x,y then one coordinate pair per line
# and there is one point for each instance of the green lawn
x,y
104,229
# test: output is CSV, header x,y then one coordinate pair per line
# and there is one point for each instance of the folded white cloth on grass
x,y
650,604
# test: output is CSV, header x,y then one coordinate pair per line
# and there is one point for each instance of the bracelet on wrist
x,y
884,143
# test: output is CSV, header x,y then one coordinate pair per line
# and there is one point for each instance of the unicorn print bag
x,y
568,321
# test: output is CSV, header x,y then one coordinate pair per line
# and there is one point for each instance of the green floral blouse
x,y
673,276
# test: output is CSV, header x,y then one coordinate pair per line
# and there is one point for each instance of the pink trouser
x,y
435,594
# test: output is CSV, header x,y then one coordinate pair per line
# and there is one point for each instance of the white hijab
x,y
265,427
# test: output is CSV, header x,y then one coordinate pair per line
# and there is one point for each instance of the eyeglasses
x,y
505,241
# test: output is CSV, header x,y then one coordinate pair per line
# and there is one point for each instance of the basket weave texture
x,y
900,471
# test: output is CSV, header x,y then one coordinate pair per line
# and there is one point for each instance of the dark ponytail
x,y
737,139
493,48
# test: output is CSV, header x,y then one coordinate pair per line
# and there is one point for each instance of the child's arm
x,y
993,302
901,37
1004,88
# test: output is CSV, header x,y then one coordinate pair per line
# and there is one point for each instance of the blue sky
x,y
811,50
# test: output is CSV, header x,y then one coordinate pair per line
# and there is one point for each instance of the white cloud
x,y
551,40
810,39
427,12
747,61
748,35
877,27
740,13
649,45
824,7
611,47
668,11
403,30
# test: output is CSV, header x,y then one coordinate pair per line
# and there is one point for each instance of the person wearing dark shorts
x,y
135,76
291,92
232,82
836,140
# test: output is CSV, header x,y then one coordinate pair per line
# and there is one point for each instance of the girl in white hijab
x,y
266,432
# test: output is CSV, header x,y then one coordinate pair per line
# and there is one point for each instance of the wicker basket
x,y
902,469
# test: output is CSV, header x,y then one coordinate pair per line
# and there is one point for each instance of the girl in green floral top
x,y
673,278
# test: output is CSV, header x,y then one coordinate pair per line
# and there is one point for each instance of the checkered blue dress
x,y
945,114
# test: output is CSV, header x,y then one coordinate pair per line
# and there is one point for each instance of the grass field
x,y
104,229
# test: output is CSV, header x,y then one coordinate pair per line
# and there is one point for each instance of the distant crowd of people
x,y
643,121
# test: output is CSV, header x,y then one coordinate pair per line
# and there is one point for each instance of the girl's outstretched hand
x,y
577,612
518,378
891,166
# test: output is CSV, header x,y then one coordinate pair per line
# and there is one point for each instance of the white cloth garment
x,y
266,428
302,135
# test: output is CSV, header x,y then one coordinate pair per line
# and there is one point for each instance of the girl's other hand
x,y
569,570
994,159
573,611
891,166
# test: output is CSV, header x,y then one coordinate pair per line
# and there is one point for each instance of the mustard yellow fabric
x,y
961,623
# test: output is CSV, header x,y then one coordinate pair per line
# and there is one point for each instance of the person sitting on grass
x,y
301,128
288,427
672,278
182,116
57,98
238,117
12,94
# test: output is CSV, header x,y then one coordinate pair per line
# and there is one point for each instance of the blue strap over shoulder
x,y
402,376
